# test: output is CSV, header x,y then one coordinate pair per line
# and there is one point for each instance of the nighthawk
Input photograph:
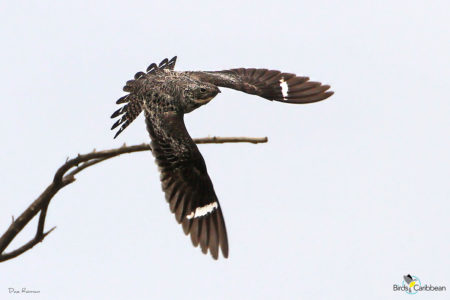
x,y
165,96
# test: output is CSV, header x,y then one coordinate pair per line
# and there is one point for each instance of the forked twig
x,y
63,177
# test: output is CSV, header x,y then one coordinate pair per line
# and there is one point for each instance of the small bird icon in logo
x,y
409,280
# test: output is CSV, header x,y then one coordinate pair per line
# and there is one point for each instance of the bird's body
x,y
165,96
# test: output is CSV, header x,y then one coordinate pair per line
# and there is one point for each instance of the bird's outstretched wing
x,y
269,84
186,182
134,100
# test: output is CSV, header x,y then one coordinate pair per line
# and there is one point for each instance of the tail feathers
x,y
134,84
134,106
127,113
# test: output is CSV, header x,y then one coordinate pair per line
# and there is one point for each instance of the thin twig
x,y
222,140
63,177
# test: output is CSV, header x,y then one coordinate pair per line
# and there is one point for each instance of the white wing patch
x,y
284,88
203,211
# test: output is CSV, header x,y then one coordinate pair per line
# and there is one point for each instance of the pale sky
x,y
349,195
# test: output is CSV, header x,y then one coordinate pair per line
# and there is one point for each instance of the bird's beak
x,y
203,101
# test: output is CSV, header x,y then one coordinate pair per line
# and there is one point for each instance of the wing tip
x,y
216,240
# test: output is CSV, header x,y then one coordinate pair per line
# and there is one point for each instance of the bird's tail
x,y
128,112
133,107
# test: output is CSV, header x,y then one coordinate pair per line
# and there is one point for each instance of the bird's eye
x,y
202,90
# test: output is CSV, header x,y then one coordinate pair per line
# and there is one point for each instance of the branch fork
x,y
65,175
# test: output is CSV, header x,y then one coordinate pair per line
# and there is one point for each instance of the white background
x,y
349,195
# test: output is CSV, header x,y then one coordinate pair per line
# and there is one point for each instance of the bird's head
x,y
199,94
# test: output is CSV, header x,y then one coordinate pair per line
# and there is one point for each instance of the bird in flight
x,y
165,96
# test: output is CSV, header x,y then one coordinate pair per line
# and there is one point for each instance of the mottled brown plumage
x,y
165,96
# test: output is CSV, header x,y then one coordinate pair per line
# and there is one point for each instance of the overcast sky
x,y
349,195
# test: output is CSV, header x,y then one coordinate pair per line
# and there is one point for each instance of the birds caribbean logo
x,y
409,280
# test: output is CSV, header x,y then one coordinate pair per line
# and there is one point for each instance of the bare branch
x,y
63,177
221,140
